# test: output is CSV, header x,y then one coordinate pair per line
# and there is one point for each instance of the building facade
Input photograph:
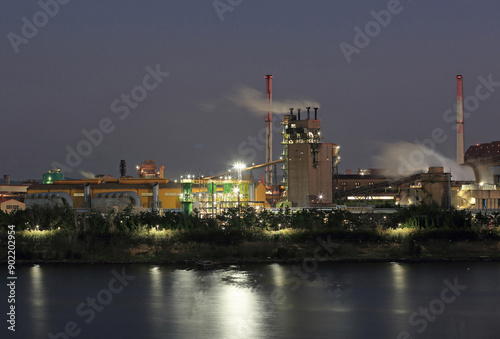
x,y
11,205
309,163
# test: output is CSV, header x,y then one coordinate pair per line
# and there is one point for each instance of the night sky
x,y
81,68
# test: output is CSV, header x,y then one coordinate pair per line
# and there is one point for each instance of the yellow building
x,y
143,193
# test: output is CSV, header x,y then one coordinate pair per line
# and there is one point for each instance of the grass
x,y
255,245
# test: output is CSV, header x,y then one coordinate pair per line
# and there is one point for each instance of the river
x,y
303,300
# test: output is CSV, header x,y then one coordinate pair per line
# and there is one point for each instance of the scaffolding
x,y
214,196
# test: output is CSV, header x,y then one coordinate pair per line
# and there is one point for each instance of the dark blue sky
x,y
65,78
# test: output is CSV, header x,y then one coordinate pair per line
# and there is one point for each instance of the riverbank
x,y
237,247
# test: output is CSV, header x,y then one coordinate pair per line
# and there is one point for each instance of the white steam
x,y
255,101
403,159
87,174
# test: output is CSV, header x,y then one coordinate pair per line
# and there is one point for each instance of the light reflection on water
x,y
399,288
261,301
38,298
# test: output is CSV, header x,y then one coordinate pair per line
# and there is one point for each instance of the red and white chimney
x,y
269,129
460,121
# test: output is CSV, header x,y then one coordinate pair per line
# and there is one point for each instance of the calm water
x,y
334,300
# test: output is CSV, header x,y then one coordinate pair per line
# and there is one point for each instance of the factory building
x,y
146,194
483,194
308,163
485,161
147,169
371,187
364,177
433,187
12,191
310,178
11,205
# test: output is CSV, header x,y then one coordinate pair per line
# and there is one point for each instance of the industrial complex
x,y
308,172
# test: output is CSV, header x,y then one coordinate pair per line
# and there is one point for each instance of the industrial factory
x,y
309,178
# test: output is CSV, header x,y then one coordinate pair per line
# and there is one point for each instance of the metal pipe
x,y
87,195
460,120
298,113
308,109
156,197
315,113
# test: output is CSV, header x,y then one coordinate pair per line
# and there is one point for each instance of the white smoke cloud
x,y
403,159
87,174
255,101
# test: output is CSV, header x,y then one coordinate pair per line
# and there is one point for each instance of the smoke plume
x,y
255,101
403,159
87,174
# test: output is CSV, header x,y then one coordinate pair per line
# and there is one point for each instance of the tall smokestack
x,y
269,129
123,168
460,120
6,179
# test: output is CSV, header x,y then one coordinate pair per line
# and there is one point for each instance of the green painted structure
x,y
50,176
186,198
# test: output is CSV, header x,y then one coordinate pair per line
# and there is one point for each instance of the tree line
x,y
425,217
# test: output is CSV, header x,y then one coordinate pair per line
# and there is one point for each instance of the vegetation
x,y
61,233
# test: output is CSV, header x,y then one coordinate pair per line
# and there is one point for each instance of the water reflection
x,y
348,301
37,299
237,312
278,274
156,297
399,288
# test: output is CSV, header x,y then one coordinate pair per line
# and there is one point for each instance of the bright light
x,y
320,196
473,201
370,198
239,166
481,183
